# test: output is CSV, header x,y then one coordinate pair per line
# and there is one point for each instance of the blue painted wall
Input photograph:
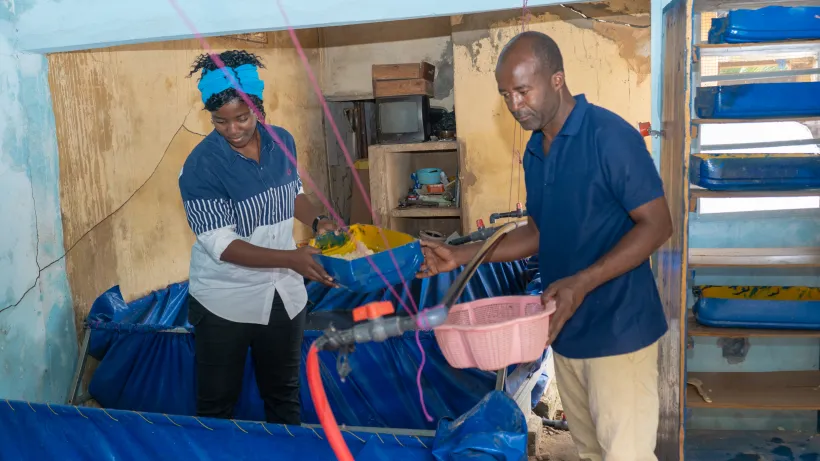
x,y
792,228
38,345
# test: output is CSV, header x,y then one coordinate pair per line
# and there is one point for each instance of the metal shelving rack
x,y
779,390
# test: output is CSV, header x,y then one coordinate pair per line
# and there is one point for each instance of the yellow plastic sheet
x,y
371,236
760,292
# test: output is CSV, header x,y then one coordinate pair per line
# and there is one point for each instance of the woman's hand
x,y
438,258
301,260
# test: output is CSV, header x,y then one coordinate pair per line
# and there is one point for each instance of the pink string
x,y
418,378
348,158
512,163
306,176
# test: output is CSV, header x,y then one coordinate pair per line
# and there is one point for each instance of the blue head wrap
x,y
245,77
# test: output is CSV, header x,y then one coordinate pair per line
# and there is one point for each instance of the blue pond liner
x,y
769,24
767,173
759,100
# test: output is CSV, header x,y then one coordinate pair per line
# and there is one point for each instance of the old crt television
x,y
403,119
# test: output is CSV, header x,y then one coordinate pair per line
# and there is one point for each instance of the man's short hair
x,y
543,47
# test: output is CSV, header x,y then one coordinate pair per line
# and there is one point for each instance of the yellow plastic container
x,y
371,236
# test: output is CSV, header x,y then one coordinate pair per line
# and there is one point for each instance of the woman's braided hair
x,y
233,58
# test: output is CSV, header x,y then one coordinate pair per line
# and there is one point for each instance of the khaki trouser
x,y
611,404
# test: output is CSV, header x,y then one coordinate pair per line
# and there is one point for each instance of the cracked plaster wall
x,y
38,349
607,62
127,117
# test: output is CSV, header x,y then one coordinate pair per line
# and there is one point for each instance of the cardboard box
x,y
415,86
422,70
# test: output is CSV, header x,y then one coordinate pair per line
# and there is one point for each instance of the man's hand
x,y
301,260
568,293
438,258
326,225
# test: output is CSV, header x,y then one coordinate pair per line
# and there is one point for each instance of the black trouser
x,y
221,351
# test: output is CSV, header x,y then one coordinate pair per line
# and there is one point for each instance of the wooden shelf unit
x,y
777,390
430,146
390,168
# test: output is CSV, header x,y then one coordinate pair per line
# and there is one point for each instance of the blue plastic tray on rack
x,y
780,308
759,100
769,24
755,172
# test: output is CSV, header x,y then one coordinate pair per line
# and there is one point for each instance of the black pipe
x,y
510,214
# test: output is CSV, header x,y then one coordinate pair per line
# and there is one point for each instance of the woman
x,y
241,194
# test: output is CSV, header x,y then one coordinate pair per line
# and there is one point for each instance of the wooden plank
x,y
717,445
416,147
695,329
754,257
423,70
426,212
776,390
671,260
349,97
745,49
408,87
379,194
703,121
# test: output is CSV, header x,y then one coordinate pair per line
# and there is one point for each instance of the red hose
x,y
326,418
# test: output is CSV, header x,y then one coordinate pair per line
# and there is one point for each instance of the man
x,y
241,194
596,213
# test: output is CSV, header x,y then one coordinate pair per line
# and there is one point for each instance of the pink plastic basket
x,y
491,334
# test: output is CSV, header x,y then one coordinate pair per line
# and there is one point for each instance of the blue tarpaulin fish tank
x,y
145,381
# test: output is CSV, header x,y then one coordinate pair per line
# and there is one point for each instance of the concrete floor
x,y
555,446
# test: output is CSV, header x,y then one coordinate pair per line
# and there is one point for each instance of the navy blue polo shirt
x,y
579,195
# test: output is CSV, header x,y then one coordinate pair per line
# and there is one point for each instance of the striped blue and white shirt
x,y
228,196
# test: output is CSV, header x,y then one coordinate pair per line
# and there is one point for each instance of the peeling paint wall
x,y
608,62
38,349
349,53
127,117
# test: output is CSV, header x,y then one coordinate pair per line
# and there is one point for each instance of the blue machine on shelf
x,y
761,307
759,100
769,24
755,172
